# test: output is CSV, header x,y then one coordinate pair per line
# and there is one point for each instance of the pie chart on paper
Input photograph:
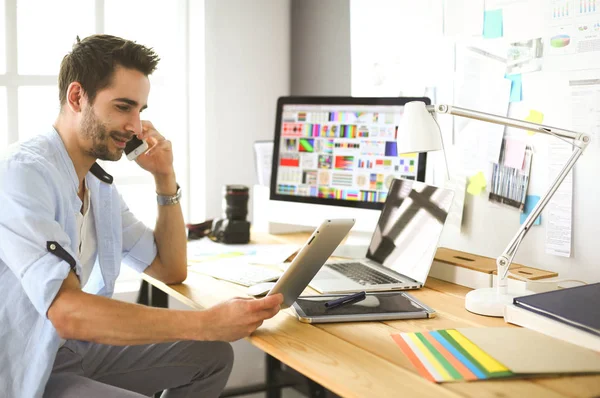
x,y
560,41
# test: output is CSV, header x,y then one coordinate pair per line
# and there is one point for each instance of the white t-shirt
x,y
87,241
87,238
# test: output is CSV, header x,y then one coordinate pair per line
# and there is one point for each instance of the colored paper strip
x,y
455,374
477,184
516,87
458,355
457,364
493,24
482,357
534,117
412,357
530,203
426,363
430,357
457,346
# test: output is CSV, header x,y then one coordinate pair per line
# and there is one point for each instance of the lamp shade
x,y
418,132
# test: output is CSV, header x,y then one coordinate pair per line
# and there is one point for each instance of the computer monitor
x,y
340,151
336,157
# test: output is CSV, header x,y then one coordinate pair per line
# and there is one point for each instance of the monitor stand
x,y
355,246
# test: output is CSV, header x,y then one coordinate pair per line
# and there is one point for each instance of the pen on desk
x,y
353,298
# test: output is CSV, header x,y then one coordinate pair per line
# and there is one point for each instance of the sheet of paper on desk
x,y
206,250
468,354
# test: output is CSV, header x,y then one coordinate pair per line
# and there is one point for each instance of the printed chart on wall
x,y
341,152
573,34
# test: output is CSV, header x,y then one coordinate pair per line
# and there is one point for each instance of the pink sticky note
x,y
514,153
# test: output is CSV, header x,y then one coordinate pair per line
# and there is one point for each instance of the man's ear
x,y
75,97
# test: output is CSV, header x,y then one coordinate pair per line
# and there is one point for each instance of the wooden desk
x,y
360,359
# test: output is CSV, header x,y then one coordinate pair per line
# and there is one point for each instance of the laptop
x,y
402,246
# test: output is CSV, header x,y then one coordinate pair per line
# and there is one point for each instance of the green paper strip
x,y
470,357
447,365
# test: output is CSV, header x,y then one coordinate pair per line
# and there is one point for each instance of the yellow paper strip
x,y
477,184
489,363
534,117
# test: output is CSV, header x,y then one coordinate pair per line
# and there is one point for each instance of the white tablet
x,y
377,306
311,257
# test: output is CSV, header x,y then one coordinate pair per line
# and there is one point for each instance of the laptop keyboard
x,y
362,274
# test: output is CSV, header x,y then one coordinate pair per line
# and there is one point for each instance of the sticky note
x,y
514,153
516,87
530,203
534,117
477,184
492,24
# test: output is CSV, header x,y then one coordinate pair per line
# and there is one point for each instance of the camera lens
x,y
235,202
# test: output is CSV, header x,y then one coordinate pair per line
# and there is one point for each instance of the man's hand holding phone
x,y
158,157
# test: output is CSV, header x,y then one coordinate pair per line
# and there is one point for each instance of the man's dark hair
x,y
93,60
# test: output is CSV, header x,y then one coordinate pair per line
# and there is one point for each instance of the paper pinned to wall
x,y
559,228
530,203
477,184
585,102
534,117
522,19
516,87
572,35
457,183
463,17
492,24
481,87
514,153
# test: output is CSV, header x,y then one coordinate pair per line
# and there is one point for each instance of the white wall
x,y
247,67
320,52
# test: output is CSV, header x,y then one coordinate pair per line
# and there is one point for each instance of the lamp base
x,y
487,301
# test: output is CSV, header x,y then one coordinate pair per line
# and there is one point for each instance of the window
x,y
34,37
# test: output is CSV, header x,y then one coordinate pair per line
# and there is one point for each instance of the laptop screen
x,y
409,227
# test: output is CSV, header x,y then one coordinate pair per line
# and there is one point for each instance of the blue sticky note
x,y
530,203
492,24
516,87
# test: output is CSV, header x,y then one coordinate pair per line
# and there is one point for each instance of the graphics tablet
x,y
311,257
375,307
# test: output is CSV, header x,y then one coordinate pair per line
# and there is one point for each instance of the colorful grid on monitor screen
x,y
341,154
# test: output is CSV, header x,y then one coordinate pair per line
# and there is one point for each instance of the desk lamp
x,y
419,132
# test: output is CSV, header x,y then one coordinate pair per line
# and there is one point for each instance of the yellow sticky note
x,y
534,117
477,184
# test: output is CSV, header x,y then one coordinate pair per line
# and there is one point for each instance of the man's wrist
x,y
166,184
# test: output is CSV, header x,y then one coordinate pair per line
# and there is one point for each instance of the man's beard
x,y
92,129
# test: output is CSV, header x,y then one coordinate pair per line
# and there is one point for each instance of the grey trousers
x,y
184,369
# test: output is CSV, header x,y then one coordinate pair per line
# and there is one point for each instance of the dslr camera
x,y
233,227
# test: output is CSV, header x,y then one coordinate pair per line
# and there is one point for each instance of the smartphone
x,y
135,147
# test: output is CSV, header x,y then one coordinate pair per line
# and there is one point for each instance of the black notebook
x,y
575,306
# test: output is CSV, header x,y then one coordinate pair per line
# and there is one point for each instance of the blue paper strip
x,y
516,87
492,24
436,335
530,203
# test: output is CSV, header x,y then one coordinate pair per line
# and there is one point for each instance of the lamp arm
x,y
505,259
579,140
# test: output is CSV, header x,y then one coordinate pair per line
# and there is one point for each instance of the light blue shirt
x,y
38,202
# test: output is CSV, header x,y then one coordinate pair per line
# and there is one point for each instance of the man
x,y
65,231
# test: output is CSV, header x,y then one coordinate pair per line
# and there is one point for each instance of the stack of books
x,y
571,314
